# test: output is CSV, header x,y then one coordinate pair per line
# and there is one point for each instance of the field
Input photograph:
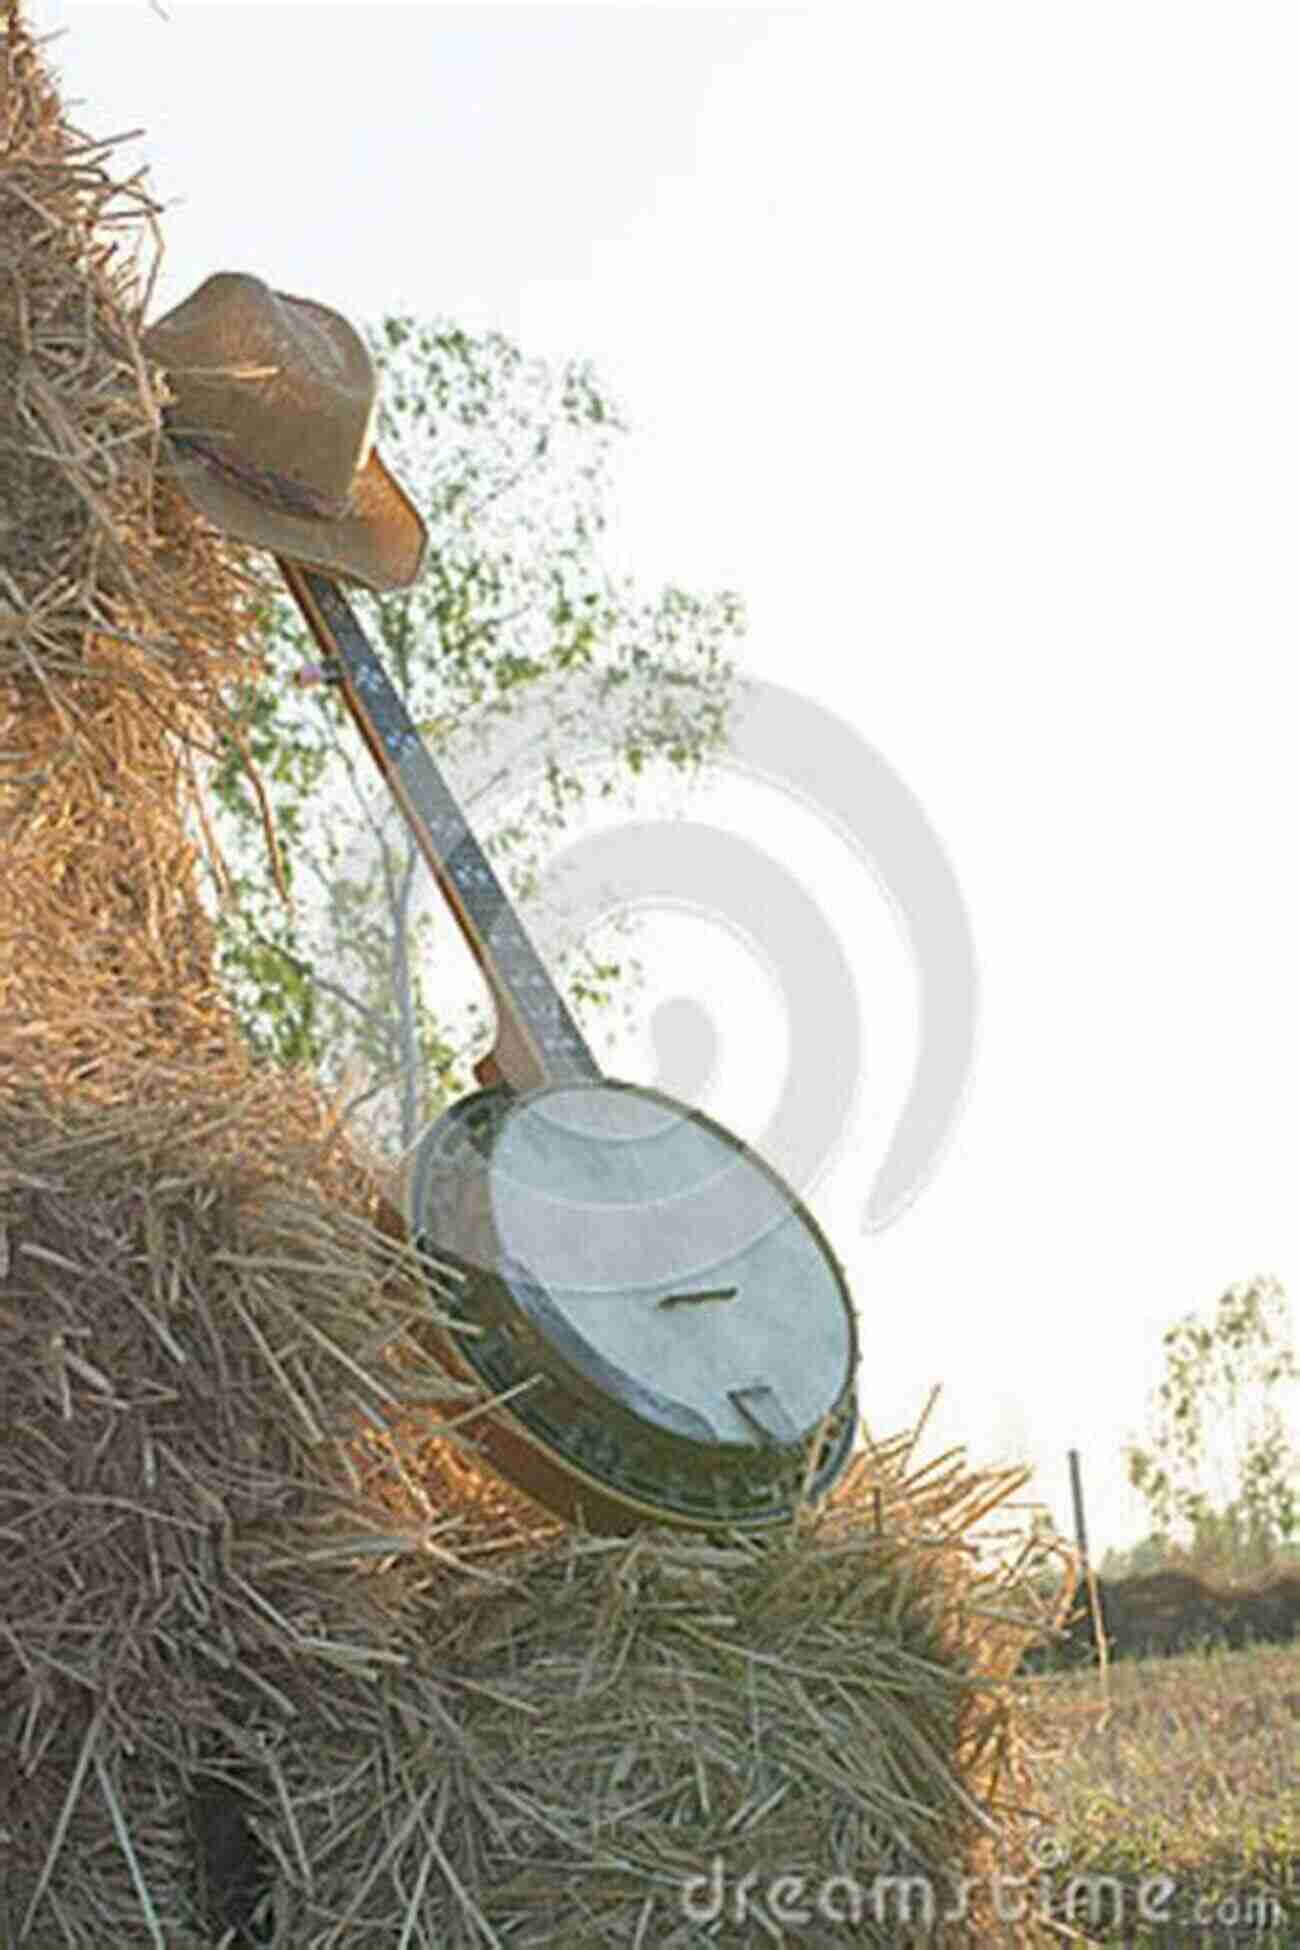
x,y
1180,1779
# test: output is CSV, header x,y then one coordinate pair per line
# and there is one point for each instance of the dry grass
x,y
1183,1768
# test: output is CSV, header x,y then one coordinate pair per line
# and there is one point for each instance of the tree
x,y
1151,1554
1220,1469
329,958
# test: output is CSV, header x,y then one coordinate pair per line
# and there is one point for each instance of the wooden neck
x,y
537,1041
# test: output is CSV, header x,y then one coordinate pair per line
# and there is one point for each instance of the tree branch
x,y
375,1021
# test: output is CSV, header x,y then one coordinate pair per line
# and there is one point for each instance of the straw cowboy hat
x,y
271,430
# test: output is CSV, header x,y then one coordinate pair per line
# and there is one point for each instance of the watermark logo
x,y
1046,1892
808,756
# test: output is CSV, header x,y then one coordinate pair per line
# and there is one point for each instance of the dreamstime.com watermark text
x,y
1046,1893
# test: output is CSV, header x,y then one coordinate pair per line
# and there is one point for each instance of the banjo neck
x,y
538,1042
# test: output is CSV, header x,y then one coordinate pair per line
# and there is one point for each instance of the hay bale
x,y
122,620
221,1605
190,1328
443,1722
271,1638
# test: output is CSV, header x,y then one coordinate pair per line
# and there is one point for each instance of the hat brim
x,y
380,541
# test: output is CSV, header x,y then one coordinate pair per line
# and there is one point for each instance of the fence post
x,y
1090,1579
1076,1491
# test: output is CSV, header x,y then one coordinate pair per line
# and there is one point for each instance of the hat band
x,y
261,484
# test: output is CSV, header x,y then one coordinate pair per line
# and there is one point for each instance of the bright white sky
x,y
963,341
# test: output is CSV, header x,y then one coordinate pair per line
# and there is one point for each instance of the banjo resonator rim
x,y
588,1440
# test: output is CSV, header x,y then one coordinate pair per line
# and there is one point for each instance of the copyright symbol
x,y
1048,1851
795,751
799,751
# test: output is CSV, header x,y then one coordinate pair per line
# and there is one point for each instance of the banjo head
x,y
674,1333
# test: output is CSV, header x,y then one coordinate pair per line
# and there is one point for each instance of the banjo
x,y
662,1328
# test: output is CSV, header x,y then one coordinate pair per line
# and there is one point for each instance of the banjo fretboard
x,y
538,1041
